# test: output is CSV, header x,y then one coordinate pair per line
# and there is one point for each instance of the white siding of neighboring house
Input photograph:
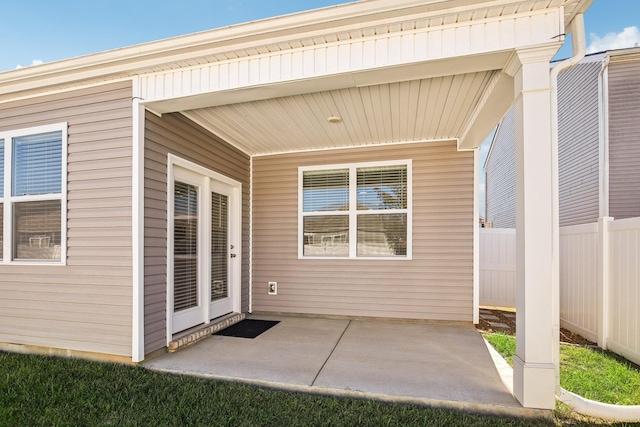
x,y
578,149
578,153
500,175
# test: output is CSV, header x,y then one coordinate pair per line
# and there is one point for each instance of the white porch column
x,y
535,363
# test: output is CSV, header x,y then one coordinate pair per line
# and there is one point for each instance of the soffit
x,y
427,18
417,110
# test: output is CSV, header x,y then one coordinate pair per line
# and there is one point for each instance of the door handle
x,y
233,255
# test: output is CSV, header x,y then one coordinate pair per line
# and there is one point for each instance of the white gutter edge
x,y
579,404
603,130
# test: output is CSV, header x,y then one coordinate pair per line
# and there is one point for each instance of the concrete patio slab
x,y
435,364
431,361
292,352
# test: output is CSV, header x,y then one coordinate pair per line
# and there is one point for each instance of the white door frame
x,y
235,237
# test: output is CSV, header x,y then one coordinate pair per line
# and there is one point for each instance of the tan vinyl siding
x,y
174,133
500,175
87,304
578,150
436,284
624,139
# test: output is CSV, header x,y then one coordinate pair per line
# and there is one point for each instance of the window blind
x,y
185,246
326,190
326,235
382,187
370,221
1,171
37,164
382,235
219,246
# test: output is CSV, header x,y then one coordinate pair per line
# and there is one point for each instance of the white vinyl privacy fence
x,y
599,280
580,278
498,267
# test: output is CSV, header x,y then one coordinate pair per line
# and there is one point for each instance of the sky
x,y
37,31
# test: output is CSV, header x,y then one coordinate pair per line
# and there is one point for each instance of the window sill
x,y
34,263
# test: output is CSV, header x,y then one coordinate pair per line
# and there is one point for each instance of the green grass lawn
x,y
590,373
50,391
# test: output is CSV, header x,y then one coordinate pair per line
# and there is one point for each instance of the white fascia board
x,y
299,26
225,39
338,80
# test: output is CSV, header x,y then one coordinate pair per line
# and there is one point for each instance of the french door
x,y
203,267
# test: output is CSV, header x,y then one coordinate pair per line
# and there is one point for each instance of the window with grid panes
x,y
31,189
356,211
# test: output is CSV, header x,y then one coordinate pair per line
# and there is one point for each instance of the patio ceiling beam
x,y
492,107
467,42
362,78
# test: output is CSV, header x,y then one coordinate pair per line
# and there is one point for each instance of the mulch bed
x,y
507,318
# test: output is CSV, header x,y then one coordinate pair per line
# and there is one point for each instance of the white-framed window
x,y
356,210
33,171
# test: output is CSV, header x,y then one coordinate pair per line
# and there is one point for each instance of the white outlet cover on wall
x,y
273,288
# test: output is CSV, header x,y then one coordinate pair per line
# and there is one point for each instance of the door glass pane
x,y
185,246
37,230
382,235
1,169
1,231
219,246
1,195
326,235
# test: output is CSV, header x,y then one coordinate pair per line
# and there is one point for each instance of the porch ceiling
x,y
415,110
432,71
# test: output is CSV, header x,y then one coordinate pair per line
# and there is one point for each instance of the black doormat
x,y
248,328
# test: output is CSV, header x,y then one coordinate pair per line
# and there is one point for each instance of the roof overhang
x,y
289,72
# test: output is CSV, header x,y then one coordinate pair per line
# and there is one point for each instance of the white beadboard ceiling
x,y
416,110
